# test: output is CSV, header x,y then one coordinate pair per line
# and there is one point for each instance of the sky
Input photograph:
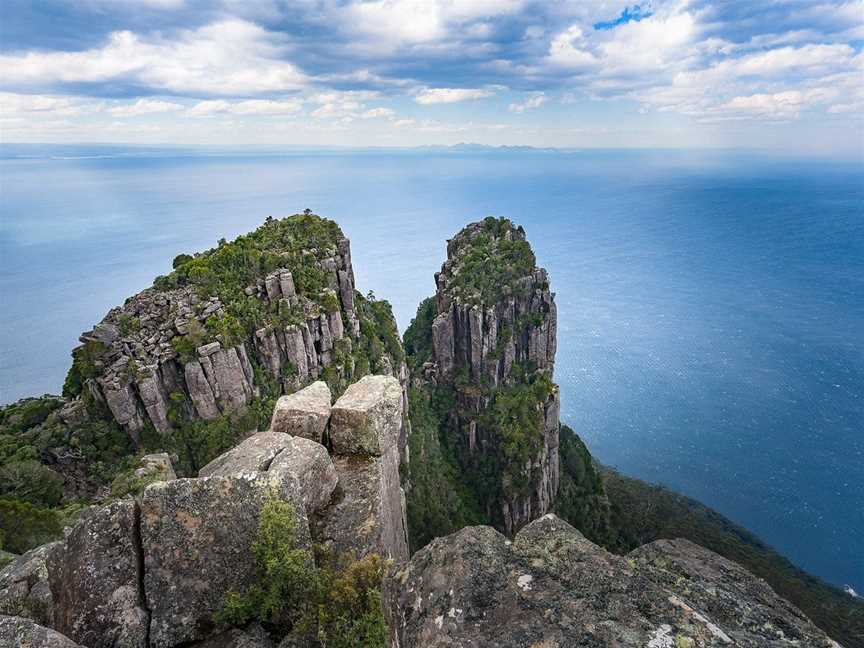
x,y
785,75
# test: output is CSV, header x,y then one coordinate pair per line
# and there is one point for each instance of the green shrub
x,y
337,605
32,482
25,526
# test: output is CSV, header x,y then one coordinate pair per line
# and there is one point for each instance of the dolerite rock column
x,y
477,345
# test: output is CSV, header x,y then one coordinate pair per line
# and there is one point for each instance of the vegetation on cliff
x,y
319,602
51,465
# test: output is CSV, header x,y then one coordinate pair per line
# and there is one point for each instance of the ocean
x,y
711,304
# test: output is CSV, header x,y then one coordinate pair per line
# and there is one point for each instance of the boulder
x,y
18,632
253,636
94,579
24,588
552,587
252,455
311,465
367,418
197,537
736,601
367,512
304,413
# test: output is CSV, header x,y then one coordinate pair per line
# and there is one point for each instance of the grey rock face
x,y
745,607
139,369
367,511
18,632
482,342
94,580
551,587
367,418
197,536
304,413
252,455
24,588
252,637
310,464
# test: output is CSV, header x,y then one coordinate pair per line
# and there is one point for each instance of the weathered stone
x,y
304,413
209,349
152,394
253,636
157,465
367,511
200,391
367,418
94,579
17,632
286,283
252,455
552,587
197,536
309,462
235,390
24,587
705,584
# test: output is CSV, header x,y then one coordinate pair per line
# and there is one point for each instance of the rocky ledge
x,y
550,587
153,571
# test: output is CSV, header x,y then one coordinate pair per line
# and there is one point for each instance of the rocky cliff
x,y
493,341
157,570
234,327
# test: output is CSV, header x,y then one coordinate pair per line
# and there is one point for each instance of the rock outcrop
x,y
495,323
304,413
179,351
18,632
551,587
153,571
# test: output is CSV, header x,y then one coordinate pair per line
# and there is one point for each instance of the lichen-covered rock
x,y
551,587
310,463
367,511
744,606
252,455
253,636
197,536
305,413
18,632
367,418
24,588
94,579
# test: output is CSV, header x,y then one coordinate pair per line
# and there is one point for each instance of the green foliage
x,y
24,526
84,366
181,259
127,324
490,262
418,335
515,418
32,482
328,604
186,345
128,483
438,502
581,499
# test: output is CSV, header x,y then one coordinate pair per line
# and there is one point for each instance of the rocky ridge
x,y
153,571
552,587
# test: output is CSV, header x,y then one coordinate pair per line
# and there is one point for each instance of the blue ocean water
x,y
711,305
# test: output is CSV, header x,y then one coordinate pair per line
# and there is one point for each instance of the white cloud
x,y
145,107
379,113
536,100
450,95
248,107
225,58
18,105
393,23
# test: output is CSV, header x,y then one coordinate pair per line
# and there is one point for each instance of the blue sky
x,y
786,75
